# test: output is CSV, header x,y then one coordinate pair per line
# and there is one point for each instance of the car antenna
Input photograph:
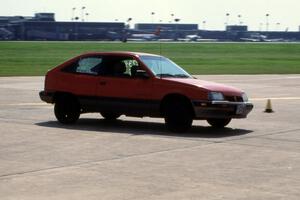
x,y
160,51
160,59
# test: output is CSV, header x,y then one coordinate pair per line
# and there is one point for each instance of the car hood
x,y
207,85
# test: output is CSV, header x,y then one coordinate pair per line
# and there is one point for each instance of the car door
x,y
124,92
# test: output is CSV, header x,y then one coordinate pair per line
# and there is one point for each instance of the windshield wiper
x,y
181,76
173,75
165,75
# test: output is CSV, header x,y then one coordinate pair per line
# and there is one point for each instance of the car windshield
x,y
163,67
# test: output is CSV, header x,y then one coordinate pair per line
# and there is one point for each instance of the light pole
x,y
128,22
87,16
73,14
172,18
240,21
278,26
227,19
176,28
152,17
267,22
82,13
203,25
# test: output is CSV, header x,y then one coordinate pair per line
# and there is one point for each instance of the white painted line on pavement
x,y
25,104
274,98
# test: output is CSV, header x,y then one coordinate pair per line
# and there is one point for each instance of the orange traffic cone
x,y
269,107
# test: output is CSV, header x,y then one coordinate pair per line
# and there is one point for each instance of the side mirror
x,y
142,74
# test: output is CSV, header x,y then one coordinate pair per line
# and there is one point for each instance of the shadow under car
x,y
144,128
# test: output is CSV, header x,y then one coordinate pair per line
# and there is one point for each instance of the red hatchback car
x,y
139,84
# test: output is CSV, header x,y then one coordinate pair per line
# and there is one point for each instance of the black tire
x,y
219,123
178,116
67,110
110,115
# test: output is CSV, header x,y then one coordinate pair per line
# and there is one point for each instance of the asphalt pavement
x,y
134,158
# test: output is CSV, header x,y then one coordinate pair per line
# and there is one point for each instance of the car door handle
x,y
102,83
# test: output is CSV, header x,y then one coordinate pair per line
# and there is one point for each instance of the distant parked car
x,y
139,84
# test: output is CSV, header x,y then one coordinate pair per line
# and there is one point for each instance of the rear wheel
x,y
219,123
110,115
178,116
67,110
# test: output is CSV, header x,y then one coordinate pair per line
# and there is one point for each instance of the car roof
x,y
118,53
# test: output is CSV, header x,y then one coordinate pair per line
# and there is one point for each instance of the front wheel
x,y
67,110
219,123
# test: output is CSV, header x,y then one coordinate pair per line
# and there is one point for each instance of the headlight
x,y
245,97
215,96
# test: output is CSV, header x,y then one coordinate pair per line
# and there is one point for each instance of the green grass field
x,y
35,58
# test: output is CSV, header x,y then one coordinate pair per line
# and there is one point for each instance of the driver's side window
x,y
119,66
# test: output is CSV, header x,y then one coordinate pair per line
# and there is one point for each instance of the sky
x,y
209,14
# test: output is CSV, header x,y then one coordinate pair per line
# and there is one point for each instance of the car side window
x,y
119,66
88,65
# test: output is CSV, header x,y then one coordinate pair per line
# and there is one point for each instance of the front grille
x,y
234,98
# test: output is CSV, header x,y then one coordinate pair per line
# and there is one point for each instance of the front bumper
x,y
46,96
221,109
